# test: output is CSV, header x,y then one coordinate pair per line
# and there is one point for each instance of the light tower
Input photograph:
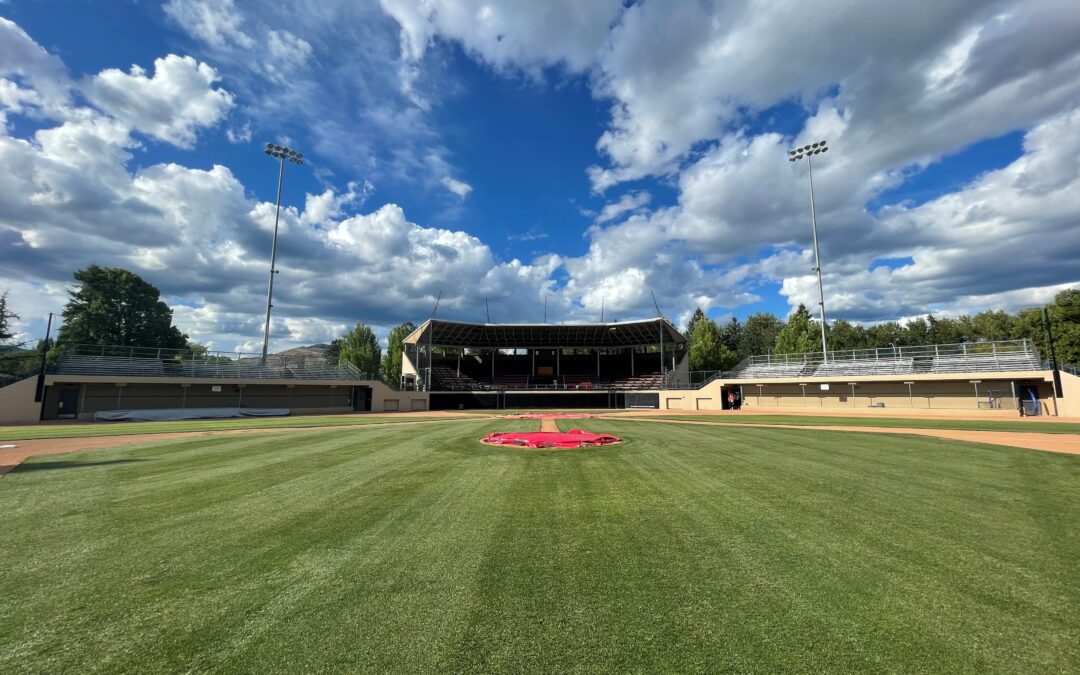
x,y
793,156
281,153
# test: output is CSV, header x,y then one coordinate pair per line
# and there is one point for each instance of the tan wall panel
x,y
17,402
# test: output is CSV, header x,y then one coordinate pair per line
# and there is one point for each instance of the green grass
x,y
1031,426
686,548
25,433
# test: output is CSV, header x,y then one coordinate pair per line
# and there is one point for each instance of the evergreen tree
x,y
112,306
758,334
798,334
391,361
7,318
730,334
361,348
697,317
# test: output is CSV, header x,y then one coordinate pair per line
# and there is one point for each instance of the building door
x,y
1029,399
67,406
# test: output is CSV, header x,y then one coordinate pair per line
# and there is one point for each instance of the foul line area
x,y
12,457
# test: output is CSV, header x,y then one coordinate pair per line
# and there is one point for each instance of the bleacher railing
x,y
79,359
964,357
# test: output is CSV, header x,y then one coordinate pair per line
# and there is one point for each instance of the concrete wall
x,y
17,402
385,399
98,393
1068,403
928,394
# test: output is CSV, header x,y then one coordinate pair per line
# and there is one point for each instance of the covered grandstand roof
x,y
544,335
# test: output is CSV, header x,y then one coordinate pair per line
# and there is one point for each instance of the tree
x,y
7,319
844,335
1064,322
391,361
730,334
698,316
945,331
988,325
112,306
758,335
360,348
886,334
797,335
917,332
707,351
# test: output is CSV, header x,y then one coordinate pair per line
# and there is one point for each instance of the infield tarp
x,y
186,414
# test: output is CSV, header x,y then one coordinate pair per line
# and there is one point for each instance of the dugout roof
x,y
544,335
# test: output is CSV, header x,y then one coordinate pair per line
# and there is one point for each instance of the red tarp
x,y
550,416
575,438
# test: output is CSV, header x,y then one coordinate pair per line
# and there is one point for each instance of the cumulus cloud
x,y
171,105
630,202
516,34
894,92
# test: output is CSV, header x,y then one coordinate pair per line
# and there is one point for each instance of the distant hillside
x,y
311,351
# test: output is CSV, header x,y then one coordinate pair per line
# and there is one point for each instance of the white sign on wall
x,y
824,387
215,387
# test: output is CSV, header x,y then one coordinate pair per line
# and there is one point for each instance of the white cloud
x,y
890,99
890,64
631,202
171,105
215,22
518,34
460,188
239,135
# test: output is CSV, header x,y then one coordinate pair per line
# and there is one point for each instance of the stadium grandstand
x,y
467,365
93,381
451,365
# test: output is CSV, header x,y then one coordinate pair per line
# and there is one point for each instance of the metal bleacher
x,y
154,362
968,357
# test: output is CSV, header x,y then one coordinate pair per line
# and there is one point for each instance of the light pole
x,y
793,156
281,153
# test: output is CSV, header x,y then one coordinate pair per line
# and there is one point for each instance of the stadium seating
x,y
298,368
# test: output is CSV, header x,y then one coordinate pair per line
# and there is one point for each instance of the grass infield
x,y
1032,426
686,548
27,433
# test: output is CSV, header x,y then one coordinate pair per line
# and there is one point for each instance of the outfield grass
x,y
26,433
686,548
891,422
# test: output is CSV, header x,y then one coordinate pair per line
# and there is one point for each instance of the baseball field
x,y
414,548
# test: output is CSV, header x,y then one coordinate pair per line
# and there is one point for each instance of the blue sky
x,y
584,153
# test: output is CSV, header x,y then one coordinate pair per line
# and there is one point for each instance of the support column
x,y
532,373
558,358
632,350
460,349
598,364
493,350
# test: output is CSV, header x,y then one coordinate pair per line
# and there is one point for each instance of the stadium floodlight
x,y
793,156
281,153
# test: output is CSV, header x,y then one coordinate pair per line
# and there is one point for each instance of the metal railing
x,y
78,359
965,357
